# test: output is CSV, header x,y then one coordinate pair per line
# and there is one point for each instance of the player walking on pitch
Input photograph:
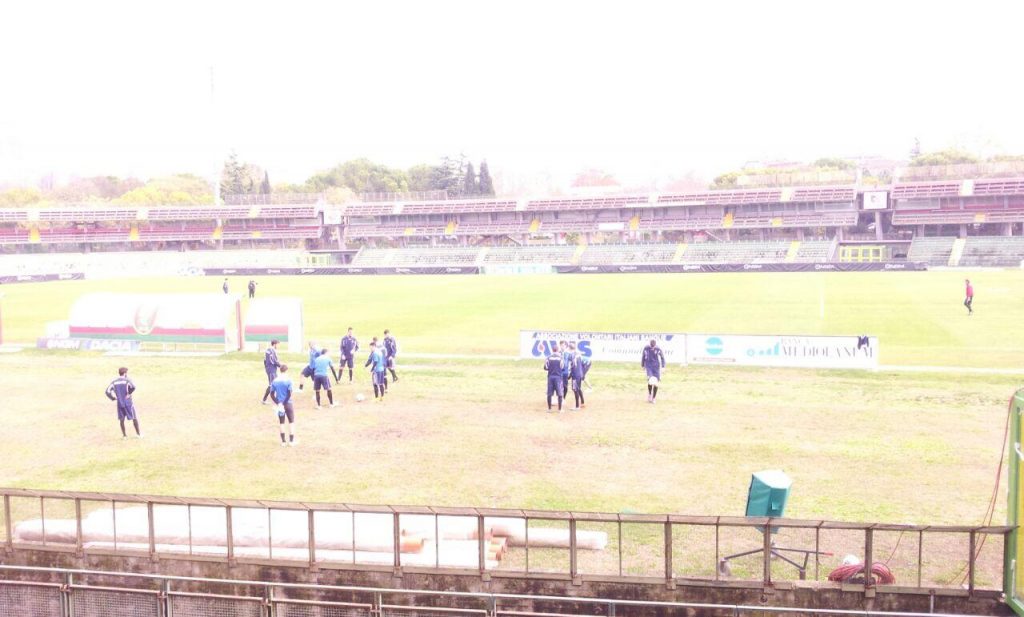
x,y
121,390
349,347
281,392
969,297
271,364
252,289
553,366
653,361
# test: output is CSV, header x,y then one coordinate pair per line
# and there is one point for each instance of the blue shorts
x,y
271,376
321,382
379,378
126,412
347,361
654,371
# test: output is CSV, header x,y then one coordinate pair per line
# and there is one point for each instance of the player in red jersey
x,y
969,297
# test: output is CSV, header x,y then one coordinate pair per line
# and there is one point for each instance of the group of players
x,y
566,365
320,368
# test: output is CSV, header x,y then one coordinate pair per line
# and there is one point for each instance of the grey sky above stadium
x,y
644,90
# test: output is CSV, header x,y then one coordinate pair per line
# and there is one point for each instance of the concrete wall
x,y
802,594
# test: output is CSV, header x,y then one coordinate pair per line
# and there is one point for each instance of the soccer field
x,y
898,447
917,316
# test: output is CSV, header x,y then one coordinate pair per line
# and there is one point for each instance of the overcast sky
x,y
642,89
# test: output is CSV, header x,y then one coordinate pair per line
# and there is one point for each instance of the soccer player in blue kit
x,y
378,363
653,361
121,390
349,347
323,370
553,366
577,371
281,393
390,351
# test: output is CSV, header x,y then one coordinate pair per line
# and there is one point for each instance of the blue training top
x,y
377,360
281,388
322,365
120,390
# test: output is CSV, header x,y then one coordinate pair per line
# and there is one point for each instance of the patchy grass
x,y
895,447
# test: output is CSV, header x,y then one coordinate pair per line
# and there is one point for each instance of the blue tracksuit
x,y
577,371
653,361
120,390
349,346
553,365
271,364
585,361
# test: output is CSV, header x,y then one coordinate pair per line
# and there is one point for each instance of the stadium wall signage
x,y
161,318
774,267
853,352
38,278
842,352
84,344
340,270
275,318
602,346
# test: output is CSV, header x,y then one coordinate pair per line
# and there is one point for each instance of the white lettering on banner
x,y
792,351
850,352
602,346
82,344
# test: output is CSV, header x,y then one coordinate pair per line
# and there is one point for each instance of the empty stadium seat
x,y
933,251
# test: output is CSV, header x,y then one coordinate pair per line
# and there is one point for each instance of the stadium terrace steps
x,y
993,251
956,252
813,251
736,252
605,254
934,251
409,257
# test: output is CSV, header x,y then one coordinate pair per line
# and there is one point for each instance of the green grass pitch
x,y
891,446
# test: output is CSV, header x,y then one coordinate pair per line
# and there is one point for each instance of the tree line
x,y
453,176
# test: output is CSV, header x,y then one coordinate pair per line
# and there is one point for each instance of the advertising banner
x,y
854,352
603,346
164,318
85,344
275,319
773,267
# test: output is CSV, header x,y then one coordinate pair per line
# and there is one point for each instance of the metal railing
x,y
62,592
652,548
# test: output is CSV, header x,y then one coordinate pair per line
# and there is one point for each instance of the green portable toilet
x,y
768,493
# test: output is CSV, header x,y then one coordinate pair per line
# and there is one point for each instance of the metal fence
x,y
633,547
57,592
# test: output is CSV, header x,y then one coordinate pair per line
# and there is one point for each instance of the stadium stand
x,y
433,256
610,254
934,251
736,252
530,254
993,251
147,263
794,224
815,251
